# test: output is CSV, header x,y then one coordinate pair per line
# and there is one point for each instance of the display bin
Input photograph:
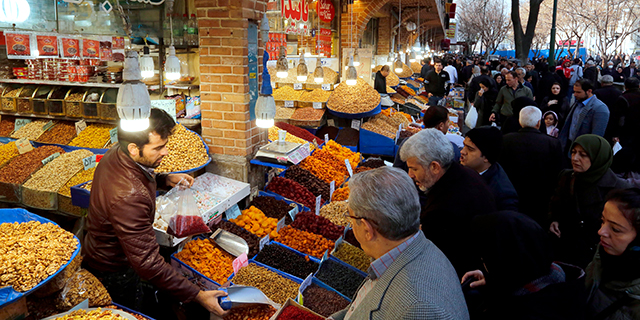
x,y
352,148
134,312
192,274
291,302
312,258
80,196
280,273
10,103
44,200
73,102
90,109
25,104
274,243
39,101
282,103
10,192
107,106
55,101
65,205
363,275
7,294
323,285
374,143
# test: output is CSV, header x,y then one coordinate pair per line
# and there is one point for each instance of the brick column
x,y
224,85
384,35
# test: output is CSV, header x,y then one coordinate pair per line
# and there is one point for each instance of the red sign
x,y
325,32
298,11
569,43
325,10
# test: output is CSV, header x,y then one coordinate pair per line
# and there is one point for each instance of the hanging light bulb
x,y
356,58
133,103
303,71
352,74
146,64
282,69
390,59
398,65
318,74
265,105
172,65
412,57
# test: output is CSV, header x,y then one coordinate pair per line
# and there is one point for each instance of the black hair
x,y
426,60
434,116
436,60
632,83
553,114
385,68
628,202
585,84
498,75
160,122
484,70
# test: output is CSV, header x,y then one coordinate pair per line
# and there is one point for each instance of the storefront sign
x,y
326,11
298,10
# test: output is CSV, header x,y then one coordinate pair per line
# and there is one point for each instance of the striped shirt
x,y
377,268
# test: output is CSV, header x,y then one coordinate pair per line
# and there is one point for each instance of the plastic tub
x,y
55,101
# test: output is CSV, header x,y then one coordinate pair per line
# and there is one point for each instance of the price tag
x,y
346,162
331,123
413,120
114,135
240,262
306,282
264,241
270,176
81,125
20,123
332,188
338,243
50,158
89,162
318,203
288,104
317,105
23,145
326,138
233,212
326,87
280,225
297,86
293,212
355,124
47,126
398,132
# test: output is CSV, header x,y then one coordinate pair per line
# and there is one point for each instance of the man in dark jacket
x,y
591,72
627,112
609,94
120,246
480,153
631,70
466,72
532,160
426,67
506,95
437,81
446,216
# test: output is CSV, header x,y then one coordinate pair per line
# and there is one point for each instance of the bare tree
x,y
523,39
485,21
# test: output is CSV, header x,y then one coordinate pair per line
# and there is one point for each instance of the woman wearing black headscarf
x,y
579,199
512,123
522,281
485,99
613,277
557,102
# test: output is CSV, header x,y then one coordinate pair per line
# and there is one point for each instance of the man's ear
x,y
133,150
370,232
435,168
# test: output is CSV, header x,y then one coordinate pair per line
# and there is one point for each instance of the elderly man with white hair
x,y
410,277
454,195
532,160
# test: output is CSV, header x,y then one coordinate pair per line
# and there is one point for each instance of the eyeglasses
x,y
347,215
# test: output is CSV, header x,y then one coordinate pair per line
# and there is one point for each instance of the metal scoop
x,y
230,242
240,295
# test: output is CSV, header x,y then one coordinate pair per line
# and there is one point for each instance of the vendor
x,y
120,246
380,83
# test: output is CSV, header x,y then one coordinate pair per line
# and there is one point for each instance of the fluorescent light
x,y
134,125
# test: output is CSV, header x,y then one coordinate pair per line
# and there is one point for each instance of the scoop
x,y
241,295
230,242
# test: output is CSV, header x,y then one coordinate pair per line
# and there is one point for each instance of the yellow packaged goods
x,y
358,98
273,136
31,130
95,136
317,95
32,251
186,151
287,93
83,285
7,152
392,78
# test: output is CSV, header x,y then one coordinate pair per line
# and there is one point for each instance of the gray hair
x,y
427,146
476,70
522,70
388,198
606,79
529,116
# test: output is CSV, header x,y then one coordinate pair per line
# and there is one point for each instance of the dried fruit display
x,y
61,133
292,190
31,130
353,256
296,131
7,152
305,178
213,262
358,98
336,213
287,261
274,286
323,301
305,242
295,313
341,194
6,127
273,136
340,277
416,67
342,153
256,222
308,114
310,222
186,151
95,136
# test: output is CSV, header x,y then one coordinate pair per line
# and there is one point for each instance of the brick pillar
x,y
384,35
224,85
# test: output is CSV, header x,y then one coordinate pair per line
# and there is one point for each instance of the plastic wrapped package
x,y
185,218
58,282
81,286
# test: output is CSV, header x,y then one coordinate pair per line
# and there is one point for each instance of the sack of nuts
x,y
83,285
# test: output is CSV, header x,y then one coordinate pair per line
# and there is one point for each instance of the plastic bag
x,y
81,286
187,220
58,282
472,118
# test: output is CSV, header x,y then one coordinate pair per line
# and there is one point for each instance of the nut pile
x,y
74,108
406,71
335,212
95,136
252,240
284,113
330,77
274,286
392,78
137,316
310,222
358,98
308,113
32,251
12,93
80,177
341,194
213,262
83,285
6,127
362,169
416,67
254,221
353,256
31,130
292,190
340,277
90,315
380,127
273,208
287,93
323,301
305,242
306,179
7,152
61,133
316,95
186,151
20,169
286,261
254,312
348,137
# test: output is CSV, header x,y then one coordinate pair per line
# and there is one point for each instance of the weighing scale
x,y
284,152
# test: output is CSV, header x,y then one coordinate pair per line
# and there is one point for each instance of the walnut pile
x,y
406,71
358,98
32,251
416,67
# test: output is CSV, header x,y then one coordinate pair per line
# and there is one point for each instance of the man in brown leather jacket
x,y
120,245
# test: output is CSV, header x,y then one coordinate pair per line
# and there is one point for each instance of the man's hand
x,y
492,118
475,274
615,139
430,95
555,228
174,179
209,300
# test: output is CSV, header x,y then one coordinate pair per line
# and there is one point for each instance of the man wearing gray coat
x,y
588,115
410,277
